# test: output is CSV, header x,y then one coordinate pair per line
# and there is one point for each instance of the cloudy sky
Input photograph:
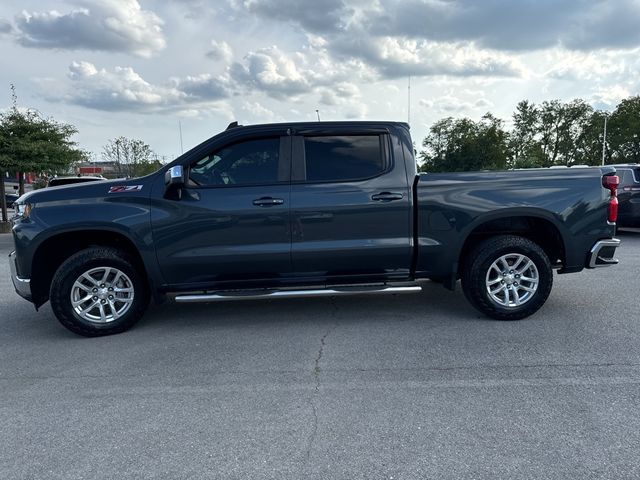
x,y
138,67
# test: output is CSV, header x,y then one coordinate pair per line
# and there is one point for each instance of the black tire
x,y
95,258
478,263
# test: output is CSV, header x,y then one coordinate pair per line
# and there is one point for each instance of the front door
x,y
350,207
231,223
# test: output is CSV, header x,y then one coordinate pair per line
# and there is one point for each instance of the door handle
x,y
267,202
387,196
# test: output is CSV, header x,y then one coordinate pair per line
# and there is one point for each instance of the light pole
x,y
604,137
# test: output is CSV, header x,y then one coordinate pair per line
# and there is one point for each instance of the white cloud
x,y
272,71
108,25
5,26
205,87
123,89
256,112
285,75
339,94
451,104
220,51
589,66
608,97
394,57
314,16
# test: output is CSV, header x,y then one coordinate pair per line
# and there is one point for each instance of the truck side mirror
x,y
174,182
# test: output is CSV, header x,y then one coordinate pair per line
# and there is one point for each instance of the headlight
x,y
23,210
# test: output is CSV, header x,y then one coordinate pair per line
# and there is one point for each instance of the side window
x,y
252,162
340,158
625,176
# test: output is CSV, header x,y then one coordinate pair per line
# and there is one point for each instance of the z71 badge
x,y
125,188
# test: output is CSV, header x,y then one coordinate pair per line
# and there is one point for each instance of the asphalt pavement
x,y
391,387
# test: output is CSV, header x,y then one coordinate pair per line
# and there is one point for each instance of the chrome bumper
x,y
22,285
602,253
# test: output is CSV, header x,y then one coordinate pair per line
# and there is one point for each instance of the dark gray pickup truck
x,y
307,209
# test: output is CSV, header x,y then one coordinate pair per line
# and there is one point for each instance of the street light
x,y
604,137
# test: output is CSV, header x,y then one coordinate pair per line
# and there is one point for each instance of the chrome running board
x,y
324,292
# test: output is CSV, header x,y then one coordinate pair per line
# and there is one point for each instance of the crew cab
x,y
307,209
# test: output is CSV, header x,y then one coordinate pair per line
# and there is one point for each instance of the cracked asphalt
x,y
405,387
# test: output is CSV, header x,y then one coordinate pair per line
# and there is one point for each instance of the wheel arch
x,y
55,249
537,225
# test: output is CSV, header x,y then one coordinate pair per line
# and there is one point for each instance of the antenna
x,y
318,114
409,100
180,128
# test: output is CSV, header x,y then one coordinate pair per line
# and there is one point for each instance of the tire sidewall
x,y
476,289
84,261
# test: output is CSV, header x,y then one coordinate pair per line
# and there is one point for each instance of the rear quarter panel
x,y
451,205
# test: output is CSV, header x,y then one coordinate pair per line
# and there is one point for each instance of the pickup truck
x,y
307,209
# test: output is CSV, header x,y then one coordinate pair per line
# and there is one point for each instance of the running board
x,y
325,292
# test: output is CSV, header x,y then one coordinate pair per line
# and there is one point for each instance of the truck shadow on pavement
x,y
431,308
433,305
628,232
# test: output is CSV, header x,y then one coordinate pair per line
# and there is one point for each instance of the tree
x,y
624,131
525,151
131,157
31,143
462,145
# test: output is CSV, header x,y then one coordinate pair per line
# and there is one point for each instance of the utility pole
x,y
604,137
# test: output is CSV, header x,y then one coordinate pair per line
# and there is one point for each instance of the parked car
x,y
307,209
57,181
629,195
10,199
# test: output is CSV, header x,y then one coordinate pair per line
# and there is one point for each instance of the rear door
x,y
231,223
350,206
629,196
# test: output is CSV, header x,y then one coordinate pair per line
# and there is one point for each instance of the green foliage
x,y
551,133
624,132
147,167
32,143
132,158
459,145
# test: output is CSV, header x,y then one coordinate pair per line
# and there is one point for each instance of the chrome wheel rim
x,y
512,280
102,295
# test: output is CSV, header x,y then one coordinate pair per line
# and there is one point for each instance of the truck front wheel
x,y
98,291
507,277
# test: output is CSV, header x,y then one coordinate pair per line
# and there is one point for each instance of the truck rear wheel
x,y
98,291
507,277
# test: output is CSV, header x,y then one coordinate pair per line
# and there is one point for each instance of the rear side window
x,y
636,174
343,158
626,176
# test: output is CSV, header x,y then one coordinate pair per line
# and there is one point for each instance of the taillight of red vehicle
x,y
611,183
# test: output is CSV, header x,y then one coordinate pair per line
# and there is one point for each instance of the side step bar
x,y
324,292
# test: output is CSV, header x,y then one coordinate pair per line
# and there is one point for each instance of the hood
x,y
99,188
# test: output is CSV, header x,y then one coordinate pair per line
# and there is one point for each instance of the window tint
x,y
248,163
343,157
625,175
636,174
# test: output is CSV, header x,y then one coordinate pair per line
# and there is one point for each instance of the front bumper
x,y
22,285
602,253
